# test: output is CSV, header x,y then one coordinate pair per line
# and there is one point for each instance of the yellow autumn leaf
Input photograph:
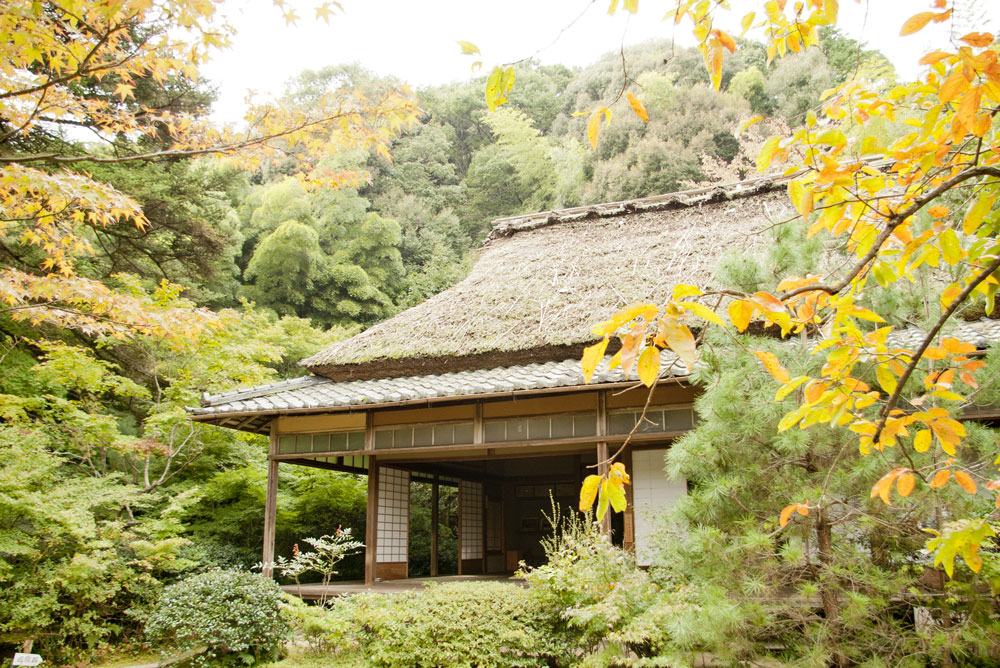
x,y
916,23
592,355
618,469
773,366
940,478
593,128
588,492
965,481
905,484
679,339
749,122
786,514
882,488
703,312
682,290
637,107
649,365
886,379
802,198
616,495
740,313
789,387
922,441
602,501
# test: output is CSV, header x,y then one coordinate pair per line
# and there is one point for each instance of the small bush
x,y
478,625
234,614
597,591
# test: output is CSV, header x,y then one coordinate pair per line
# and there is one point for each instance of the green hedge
x,y
478,625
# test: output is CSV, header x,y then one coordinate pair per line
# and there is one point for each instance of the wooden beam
x,y
486,451
478,431
371,521
482,513
434,527
270,504
243,424
459,532
603,466
369,432
326,466
628,537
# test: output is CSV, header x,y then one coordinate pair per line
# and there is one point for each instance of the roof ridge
x,y
507,226
255,391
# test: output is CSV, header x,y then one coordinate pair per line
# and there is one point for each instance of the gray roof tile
x,y
318,392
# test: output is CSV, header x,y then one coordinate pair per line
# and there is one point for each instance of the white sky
x,y
415,39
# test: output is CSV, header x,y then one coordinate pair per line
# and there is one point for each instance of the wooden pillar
x,y
270,503
459,532
602,452
628,539
478,431
482,510
434,527
602,470
371,521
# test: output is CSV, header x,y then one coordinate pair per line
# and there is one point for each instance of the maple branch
x,y
928,339
219,149
80,70
638,423
892,222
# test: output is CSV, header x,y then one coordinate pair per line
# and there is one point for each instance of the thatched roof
x,y
541,281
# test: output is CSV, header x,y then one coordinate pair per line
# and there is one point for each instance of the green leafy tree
x,y
287,269
752,87
796,83
514,174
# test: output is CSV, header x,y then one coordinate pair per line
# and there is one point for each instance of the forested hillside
x,y
402,231
108,492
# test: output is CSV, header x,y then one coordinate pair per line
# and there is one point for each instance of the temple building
x,y
480,387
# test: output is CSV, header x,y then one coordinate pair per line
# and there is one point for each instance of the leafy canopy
x,y
925,198
80,64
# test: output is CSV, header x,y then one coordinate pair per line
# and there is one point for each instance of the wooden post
x,y
478,431
270,503
603,466
371,521
460,532
628,539
434,527
482,510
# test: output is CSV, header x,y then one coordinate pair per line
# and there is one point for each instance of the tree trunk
x,y
946,658
827,584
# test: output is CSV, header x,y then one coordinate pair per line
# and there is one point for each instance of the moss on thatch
x,y
542,281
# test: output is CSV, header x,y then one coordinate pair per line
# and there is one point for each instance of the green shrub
x,y
234,614
478,625
597,591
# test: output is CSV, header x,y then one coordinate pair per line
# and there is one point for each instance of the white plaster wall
x,y
652,492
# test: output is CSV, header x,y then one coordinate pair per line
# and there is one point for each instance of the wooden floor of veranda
x,y
313,592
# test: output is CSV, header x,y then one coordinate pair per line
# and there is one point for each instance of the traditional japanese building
x,y
480,387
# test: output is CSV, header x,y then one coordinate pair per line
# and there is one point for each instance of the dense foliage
x,y
234,615
108,494
478,625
